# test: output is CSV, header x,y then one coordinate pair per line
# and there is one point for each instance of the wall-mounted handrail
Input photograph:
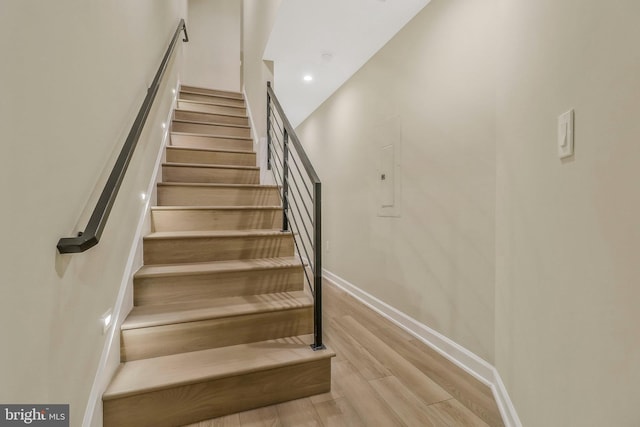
x,y
283,147
91,235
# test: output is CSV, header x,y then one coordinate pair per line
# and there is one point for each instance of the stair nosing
x,y
209,166
208,313
311,356
199,234
215,185
212,150
206,135
293,262
212,207
226,125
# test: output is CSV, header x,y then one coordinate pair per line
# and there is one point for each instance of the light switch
x,y
565,134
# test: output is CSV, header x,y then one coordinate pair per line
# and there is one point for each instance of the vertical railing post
x,y
317,266
285,180
268,128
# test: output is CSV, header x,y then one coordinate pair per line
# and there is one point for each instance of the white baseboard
x,y
460,356
109,359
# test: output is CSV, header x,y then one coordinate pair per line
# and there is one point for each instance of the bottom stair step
x,y
189,387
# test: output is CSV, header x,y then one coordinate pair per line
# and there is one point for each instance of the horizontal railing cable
x,y
95,226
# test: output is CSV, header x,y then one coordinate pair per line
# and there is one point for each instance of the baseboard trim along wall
x,y
463,358
110,357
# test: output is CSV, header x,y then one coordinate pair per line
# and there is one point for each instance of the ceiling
x,y
328,40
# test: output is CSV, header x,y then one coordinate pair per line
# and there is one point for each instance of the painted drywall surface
x,y
213,53
432,87
567,340
73,76
258,17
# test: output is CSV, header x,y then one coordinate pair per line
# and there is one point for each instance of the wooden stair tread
x,y
206,135
168,270
228,125
210,166
193,90
210,150
145,316
212,102
142,376
214,233
187,110
211,185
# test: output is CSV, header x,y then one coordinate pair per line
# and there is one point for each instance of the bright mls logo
x,y
34,415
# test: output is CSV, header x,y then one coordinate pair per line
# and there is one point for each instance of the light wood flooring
x,y
382,376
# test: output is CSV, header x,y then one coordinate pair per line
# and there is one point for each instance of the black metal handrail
x,y
284,150
91,235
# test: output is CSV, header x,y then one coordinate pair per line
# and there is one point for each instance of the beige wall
x,y
432,87
213,53
73,75
567,294
258,17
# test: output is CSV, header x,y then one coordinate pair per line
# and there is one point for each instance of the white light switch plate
x,y
565,134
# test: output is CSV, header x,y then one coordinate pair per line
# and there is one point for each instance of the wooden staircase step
x,y
223,174
160,330
189,387
215,92
146,316
210,129
172,247
213,142
196,116
190,194
213,99
192,218
174,283
208,107
211,157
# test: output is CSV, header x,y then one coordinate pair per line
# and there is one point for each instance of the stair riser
x,y
210,158
210,175
207,129
164,290
209,399
177,195
211,219
214,92
212,99
176,338
210,118
212,143
209,108
174,251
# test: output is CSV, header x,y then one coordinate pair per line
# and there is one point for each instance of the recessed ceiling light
x,y
326,56
307,78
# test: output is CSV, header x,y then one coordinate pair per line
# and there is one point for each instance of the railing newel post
x,y
285,180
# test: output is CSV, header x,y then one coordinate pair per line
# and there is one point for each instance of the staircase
x,y
221,320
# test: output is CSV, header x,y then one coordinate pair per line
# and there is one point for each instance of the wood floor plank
x,y
261,417
407,406
368,404
337,413
455,414
411,376
347,346
299,412
232,420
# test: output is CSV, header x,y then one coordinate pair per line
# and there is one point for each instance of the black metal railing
x,y
301,196
91,235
